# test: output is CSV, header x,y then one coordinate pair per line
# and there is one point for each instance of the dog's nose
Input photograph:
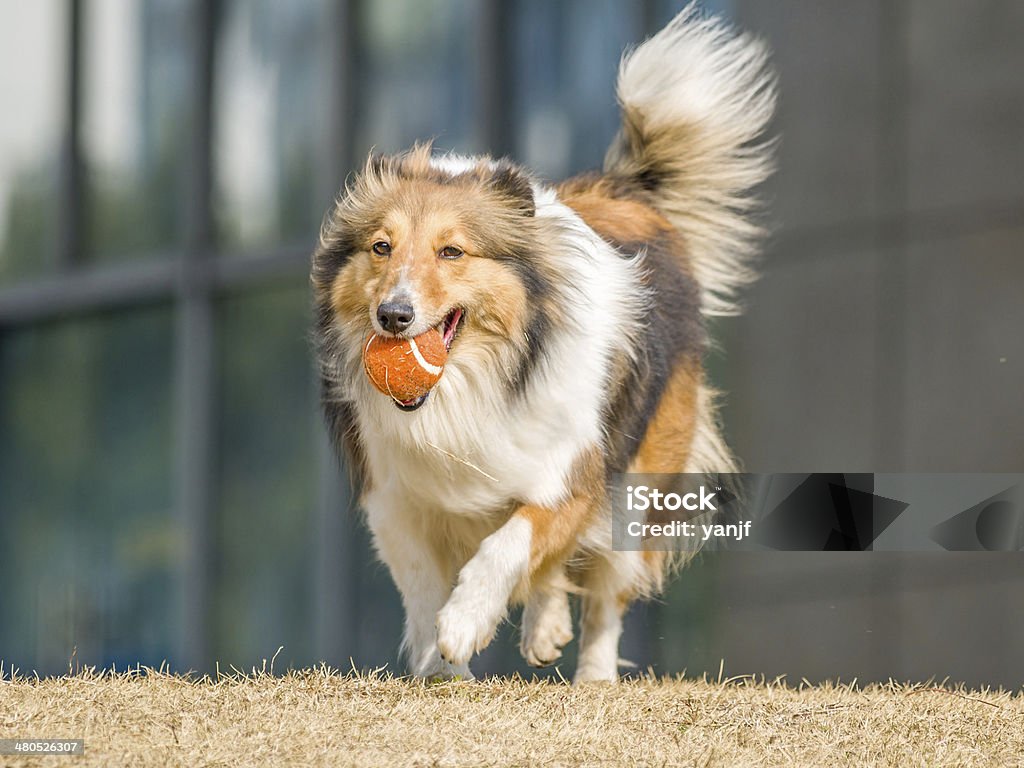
x,y
395,316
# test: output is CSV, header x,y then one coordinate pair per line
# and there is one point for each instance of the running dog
x,y
574,317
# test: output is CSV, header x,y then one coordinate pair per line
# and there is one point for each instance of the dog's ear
x,y
514,187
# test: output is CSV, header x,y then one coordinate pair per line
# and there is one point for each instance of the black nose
x,y
395,316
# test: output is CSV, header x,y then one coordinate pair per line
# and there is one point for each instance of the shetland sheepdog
x,y
574,315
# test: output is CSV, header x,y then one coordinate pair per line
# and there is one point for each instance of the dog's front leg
x,y
531,539
422,577
478,603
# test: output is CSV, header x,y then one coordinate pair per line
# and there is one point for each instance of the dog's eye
x,y
450,252
382,248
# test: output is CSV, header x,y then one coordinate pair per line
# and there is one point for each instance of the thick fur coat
x,y
575,318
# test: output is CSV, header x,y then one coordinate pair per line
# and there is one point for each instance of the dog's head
x,y
417,242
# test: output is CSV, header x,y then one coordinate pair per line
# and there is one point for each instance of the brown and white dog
x,y
574,316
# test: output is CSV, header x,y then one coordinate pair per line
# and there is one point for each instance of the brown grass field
x,y
320,717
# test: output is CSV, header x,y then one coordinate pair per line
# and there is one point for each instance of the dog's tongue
x,y
411,405
451,324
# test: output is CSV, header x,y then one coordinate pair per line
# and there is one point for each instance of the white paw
x,y
465,626
429,665
589,673
547,627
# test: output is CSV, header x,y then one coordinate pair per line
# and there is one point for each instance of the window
x,y
31,146
166,488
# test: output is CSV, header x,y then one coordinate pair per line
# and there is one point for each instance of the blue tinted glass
x,y
263,590
566,55
89,543
270,120
417,74
136,83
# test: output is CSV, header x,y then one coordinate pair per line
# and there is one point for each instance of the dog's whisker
x,y
461,460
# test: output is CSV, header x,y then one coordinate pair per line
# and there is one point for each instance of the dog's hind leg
x,y
609,583
547,622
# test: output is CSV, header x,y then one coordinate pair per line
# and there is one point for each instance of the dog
x,y
574,318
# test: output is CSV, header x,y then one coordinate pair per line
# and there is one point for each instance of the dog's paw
x,y
437,670
547,627
449,677
464,627
477,605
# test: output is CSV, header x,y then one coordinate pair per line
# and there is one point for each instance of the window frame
x,y
193,277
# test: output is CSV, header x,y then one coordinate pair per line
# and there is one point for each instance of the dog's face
x,y
412,246
418,265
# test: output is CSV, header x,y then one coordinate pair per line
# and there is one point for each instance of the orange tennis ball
x,y
405,369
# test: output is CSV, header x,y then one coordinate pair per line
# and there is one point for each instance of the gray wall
x,y
886,334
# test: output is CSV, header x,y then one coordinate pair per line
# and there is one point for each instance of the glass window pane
x,y
271,103
134,132
89,542
416,73
567,57
32,77
263,591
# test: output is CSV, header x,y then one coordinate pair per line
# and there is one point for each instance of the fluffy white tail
x,y
695,100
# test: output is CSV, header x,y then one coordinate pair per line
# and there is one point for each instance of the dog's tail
x,y
695,101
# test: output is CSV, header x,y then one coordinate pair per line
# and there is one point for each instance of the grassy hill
x,y
319,717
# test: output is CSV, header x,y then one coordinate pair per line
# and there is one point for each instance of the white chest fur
x,y
474,448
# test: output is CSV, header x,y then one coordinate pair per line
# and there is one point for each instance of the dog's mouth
x,y
411,405
449,329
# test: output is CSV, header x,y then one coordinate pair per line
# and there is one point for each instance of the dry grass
x,y
319,717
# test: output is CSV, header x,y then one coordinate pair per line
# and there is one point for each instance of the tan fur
x,y
665,447
614,218
556,530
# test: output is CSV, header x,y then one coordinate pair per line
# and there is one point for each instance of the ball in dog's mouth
x,y
407,368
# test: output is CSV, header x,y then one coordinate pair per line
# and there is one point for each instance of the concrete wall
x,y
888,331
